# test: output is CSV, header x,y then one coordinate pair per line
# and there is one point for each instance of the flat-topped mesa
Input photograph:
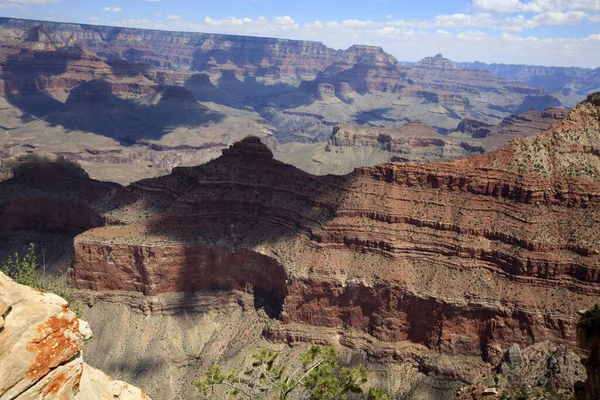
x,y
185,51
370,54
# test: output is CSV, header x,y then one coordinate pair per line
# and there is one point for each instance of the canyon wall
x,y
466,257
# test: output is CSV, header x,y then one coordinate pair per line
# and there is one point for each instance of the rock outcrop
x,y
566,83
529,123
41,344
95,94
466,257
414,141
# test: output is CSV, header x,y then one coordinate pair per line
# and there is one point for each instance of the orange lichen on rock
x,y
54,386
57,342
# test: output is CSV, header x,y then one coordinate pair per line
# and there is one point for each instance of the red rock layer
x,y
466,256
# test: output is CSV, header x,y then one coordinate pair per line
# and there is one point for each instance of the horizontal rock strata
x,y
466,257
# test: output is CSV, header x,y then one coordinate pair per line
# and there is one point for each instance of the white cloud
x,y
153,1
174,17
112,9
258,26
561,18
464,20
94,19
535,6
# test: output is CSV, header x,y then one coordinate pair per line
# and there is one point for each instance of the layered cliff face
x,y
41,350
363,69
352,146
48,200
414,141
465,257
529,123
375,90
566,83
59,96
95,94
192,51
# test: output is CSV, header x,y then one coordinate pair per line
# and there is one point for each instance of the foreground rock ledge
x,y
41,344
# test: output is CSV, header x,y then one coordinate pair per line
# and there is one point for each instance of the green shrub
x,y
319,377
24,270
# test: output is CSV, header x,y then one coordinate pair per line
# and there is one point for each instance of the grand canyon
x,y
208,195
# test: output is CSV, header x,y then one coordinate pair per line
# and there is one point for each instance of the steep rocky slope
x,y
464,258
48,200
41,344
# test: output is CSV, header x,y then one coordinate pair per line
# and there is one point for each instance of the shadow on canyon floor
x,y
92,107
25,73
48,202
248,92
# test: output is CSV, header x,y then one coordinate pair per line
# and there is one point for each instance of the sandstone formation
x,y
107,96
371,87
41,343
353,146
466,257
492,137
59,97
432,270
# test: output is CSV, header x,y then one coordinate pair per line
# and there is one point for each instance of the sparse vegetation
x,y
319,377
26,271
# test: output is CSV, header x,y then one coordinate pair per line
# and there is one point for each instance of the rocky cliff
x,y
295,89
465,257
564,82
190,51
41,345
414,141
351,146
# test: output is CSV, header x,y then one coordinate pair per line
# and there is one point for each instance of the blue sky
x,y
546,32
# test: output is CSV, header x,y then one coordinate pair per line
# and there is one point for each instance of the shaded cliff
x,y
466,257
589,339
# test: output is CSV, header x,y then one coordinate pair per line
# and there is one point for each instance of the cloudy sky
x,y
543,32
